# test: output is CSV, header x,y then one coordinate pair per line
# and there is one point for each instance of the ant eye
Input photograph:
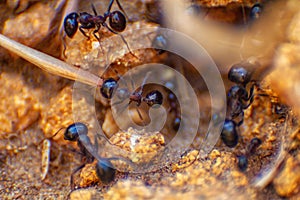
x,y
229,134
117,21
154,97
71,24
73,131
108,86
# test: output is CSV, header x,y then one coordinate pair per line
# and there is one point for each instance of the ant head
x,y
105,171
238,74
154,97
73,131
71,24
229,134
108,87
117,21
256,11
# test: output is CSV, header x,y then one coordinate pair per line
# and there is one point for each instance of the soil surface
x,y
36,105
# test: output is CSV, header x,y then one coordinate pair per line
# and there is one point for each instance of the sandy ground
x,y
34,105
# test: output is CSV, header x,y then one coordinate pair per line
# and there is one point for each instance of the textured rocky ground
x,y
34,105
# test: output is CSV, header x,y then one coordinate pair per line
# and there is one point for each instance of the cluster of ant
x,y
78,131
237,95
238,99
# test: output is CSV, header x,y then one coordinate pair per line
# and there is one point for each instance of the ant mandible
x,y
104,167
117,22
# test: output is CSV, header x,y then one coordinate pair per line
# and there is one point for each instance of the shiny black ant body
x,y
238,99
243,159
104,168
84,20
229,133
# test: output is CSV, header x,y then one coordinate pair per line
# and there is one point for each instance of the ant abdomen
x,y
71,24
229,133
72,132
105,171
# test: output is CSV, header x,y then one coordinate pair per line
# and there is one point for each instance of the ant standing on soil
x,y
104,168
243,159
238,100
117,22
152,98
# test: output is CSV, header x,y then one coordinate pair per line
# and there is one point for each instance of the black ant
x,y
117,22
104,168
243,159
238,99
152,98
173,105
110,85
256,11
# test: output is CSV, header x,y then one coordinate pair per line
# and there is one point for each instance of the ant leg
x,y
83,33
65,46
102,136
109,7
122,37
242,119
144,82
121,8
250,98
94,9
119,5
98,38
72,176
